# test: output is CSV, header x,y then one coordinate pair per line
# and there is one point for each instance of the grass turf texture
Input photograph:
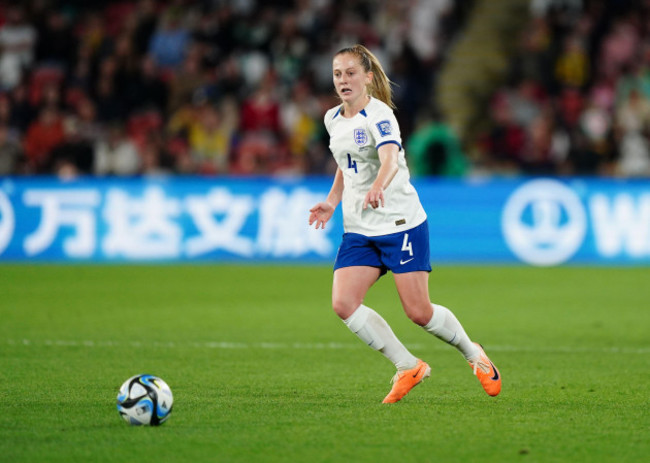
x,y
263,371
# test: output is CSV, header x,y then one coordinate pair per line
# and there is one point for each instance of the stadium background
x,y
107,110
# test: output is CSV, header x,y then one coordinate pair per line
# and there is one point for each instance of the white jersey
x,y
354,142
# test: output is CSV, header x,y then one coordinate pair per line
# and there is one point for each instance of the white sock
x,y
446,326
374,331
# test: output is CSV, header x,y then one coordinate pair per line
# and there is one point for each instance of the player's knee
x,y
419,316
344,307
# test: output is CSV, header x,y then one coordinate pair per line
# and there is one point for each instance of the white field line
x,y
314,346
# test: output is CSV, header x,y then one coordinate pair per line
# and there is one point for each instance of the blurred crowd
x,y
577,101
239,87
210,87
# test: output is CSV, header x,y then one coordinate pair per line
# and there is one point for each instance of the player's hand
x,y
320,214
374,198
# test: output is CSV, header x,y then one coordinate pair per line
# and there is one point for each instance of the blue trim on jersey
x,y
389,141
362,112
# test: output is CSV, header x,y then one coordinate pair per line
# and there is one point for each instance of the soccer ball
x,y
145,400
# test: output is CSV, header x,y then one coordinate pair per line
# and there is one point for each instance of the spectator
x,y
633,114
209,141
89,127
261,111
506,140
262,147
634,159
55,45
168,43
537,156
434,149
527,101
22,111
425,18
572,66
92,33
110,107
127,65
116,154
43,135
156,160
619,47
300,119
146,18
73,156
187,79
148,90
5,110
17,42
11,153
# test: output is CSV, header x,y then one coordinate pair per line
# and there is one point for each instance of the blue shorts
x,y
402,252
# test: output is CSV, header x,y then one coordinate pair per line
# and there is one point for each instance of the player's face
x,y
350,79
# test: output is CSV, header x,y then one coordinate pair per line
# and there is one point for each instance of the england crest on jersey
x,y
360,137
385,128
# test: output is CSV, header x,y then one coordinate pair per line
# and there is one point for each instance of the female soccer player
x,y
385,225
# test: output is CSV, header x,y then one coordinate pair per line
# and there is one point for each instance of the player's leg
x,y
438,320
413,289
348,291
358,265
350,286
407,255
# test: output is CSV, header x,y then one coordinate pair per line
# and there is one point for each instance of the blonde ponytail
x,y
380,87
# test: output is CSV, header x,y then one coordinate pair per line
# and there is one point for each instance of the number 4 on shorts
x,y
406,245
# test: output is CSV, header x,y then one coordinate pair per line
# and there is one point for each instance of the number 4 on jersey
x,y
352,164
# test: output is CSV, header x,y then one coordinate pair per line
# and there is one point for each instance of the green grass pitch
x,y
263,371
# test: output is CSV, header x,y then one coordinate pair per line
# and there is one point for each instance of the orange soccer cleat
x,y
405,380
486,372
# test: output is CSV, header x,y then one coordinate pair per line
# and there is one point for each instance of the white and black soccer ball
x,y
145,400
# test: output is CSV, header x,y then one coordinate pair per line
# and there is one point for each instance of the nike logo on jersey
x,y
402,262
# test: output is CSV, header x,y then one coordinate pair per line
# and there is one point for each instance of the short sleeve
x,y
385,129
326,121
329,117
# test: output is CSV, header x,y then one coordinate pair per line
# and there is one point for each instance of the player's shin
x,y
375,332
445,325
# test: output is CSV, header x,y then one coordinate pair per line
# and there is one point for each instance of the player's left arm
x,y
388,155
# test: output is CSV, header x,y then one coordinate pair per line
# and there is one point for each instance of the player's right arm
x,y
323,211
388,153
